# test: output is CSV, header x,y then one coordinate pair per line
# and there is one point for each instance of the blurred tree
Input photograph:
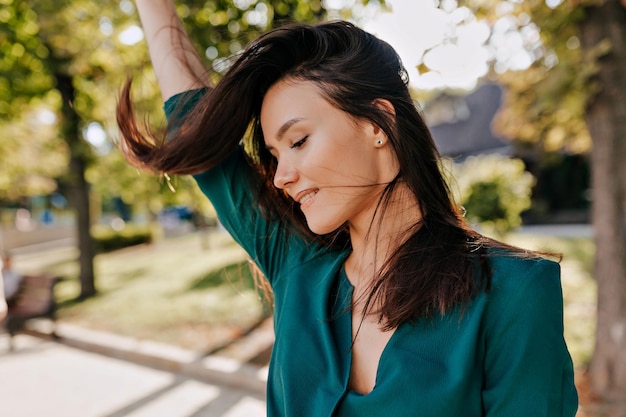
x,y
58,55
30,150
603,36
573,98
64,50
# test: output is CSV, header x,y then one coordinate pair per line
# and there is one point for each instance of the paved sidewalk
x,y
88,373
45,378
95,374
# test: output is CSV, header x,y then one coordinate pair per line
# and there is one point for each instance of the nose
x,y
285,174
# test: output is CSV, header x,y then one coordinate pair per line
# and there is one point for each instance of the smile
x,y
306,198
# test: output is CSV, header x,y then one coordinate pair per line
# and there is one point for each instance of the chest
x,y
325,355
369,342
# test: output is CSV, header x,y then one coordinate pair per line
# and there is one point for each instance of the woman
x,y
386,303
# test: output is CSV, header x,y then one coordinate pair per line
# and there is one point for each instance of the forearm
x,y
177,65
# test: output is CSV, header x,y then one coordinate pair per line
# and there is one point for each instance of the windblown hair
x,y
441,263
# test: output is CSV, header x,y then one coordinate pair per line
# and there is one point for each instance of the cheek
x,y
343,156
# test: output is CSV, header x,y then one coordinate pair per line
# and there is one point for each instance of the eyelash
x,y
299,143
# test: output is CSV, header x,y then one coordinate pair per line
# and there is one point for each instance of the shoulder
x,y
180,104
511,267
528,283
524,350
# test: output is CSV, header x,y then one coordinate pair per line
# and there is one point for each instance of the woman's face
x,y
333,165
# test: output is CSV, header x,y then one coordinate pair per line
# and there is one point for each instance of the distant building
x,y
462,125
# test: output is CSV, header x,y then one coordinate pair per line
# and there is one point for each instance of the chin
x,y
323,228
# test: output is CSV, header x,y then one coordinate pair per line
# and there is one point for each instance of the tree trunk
x,y
80,196
606,121
77,185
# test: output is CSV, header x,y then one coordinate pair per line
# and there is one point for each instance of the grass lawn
x,y
195,291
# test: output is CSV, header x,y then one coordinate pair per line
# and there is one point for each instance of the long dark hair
x,y
441,263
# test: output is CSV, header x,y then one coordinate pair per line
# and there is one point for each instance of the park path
x,y
42,377
90,373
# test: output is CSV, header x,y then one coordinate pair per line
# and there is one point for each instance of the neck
x,y
379,234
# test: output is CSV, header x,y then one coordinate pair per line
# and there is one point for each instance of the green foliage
x,y
107,239
494,190
544,105
23,75
222,28
32,155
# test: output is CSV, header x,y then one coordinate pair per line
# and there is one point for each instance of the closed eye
x,y
299,143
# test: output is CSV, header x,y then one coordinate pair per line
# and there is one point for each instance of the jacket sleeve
x,y
528,369
271,245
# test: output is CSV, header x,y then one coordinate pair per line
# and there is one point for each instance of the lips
x,y
306,196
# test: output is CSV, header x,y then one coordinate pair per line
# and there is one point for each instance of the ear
x,y
386,107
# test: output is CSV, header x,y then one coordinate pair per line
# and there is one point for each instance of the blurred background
x,y
525,98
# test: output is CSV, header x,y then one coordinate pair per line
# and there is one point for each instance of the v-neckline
x,y
347,293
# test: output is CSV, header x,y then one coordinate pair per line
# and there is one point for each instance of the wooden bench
x,y
35,299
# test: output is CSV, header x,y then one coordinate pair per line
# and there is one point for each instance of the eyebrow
x,y
285,127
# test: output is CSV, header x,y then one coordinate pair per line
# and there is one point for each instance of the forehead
x,y
291,99
290,88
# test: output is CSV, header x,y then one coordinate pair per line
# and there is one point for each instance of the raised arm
x,y
177,65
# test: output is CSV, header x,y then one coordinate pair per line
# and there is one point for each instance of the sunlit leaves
x,y
22,71
31,153
545,102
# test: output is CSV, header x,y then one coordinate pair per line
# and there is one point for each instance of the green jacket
x,y
504,356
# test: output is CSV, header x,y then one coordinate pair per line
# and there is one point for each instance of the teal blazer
x,y
503,356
